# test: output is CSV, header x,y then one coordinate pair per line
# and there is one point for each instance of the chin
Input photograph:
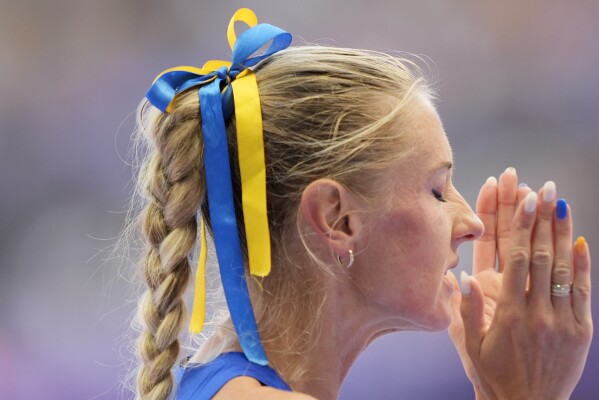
x,y
437,325
438,320
444,324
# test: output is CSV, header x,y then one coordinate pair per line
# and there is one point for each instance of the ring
x,y
561,289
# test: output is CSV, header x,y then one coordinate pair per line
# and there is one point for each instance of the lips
x,y
454,264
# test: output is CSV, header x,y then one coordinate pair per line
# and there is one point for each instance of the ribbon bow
x,y
224,88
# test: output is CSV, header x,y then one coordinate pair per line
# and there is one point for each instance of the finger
x,y
518,256
472,310
541,261
456,299
581,290
562,266
485,248
507,194
523,190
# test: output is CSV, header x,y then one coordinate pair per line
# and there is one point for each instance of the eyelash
x,y
439,196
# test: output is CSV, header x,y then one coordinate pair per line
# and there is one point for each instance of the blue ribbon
x,y
169,84
216,106
224,223
252,40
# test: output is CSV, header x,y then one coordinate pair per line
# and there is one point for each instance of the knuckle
x,y
487,236
542,256
504,232
519,257
511,318
545,215
583,292
589,331
541,326
561,271
562,230
585,334
580,335
525,222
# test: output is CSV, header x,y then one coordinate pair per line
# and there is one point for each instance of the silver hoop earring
x,y
351,259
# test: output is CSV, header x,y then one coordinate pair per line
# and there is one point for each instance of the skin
x,y
405,243
516,340
496,204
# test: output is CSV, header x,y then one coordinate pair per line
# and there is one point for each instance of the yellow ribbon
x,y
252,168
242,15
198,314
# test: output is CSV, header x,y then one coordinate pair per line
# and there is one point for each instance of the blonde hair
x,y
327,112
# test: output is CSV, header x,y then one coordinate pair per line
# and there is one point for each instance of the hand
x,y
495,206
536,344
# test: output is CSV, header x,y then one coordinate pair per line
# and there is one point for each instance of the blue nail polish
x,y
561,209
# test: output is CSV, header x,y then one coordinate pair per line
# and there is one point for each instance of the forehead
x,y
424,156
427,133
430,148
427,153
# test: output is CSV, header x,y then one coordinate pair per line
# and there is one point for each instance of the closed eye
x,y
439,196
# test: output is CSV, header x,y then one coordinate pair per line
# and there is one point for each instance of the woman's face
x,y
415,231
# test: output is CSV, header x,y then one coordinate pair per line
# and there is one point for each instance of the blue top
x,y
202,381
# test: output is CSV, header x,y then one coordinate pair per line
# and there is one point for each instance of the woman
x,y
351,236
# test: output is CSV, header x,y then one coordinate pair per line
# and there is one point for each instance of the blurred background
x,y
518,86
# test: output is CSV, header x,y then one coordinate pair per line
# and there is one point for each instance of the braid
x,y
172,178
326,112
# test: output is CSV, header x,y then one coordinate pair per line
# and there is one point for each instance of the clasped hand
x,y
516,336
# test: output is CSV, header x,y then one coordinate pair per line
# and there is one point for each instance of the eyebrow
x,y
444,164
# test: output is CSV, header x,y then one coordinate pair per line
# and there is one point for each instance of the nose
x,y
467,226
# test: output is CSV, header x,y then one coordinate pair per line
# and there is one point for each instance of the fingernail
x,y
530,203
510,169
491,179
522,185
561,209
580,245
465,285
549,192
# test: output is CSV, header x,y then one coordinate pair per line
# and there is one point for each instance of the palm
x,y
495,206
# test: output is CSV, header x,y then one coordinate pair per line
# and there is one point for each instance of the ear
x,y
328,208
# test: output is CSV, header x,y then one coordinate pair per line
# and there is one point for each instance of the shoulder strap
x,y
203,381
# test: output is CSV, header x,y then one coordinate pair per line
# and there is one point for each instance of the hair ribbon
x,y
224,88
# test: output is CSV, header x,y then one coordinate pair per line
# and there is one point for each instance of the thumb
x,y
472,310
456,328
456,298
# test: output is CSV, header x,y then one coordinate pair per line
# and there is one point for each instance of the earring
x,y
351,259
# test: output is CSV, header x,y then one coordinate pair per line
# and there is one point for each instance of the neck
x,y
348,328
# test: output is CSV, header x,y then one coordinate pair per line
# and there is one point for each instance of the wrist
x,y
481,394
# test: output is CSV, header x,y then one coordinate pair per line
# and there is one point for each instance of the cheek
x,y
409,252
419,238
399,250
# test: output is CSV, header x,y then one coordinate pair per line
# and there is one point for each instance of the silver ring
x,y
561,289
351,259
